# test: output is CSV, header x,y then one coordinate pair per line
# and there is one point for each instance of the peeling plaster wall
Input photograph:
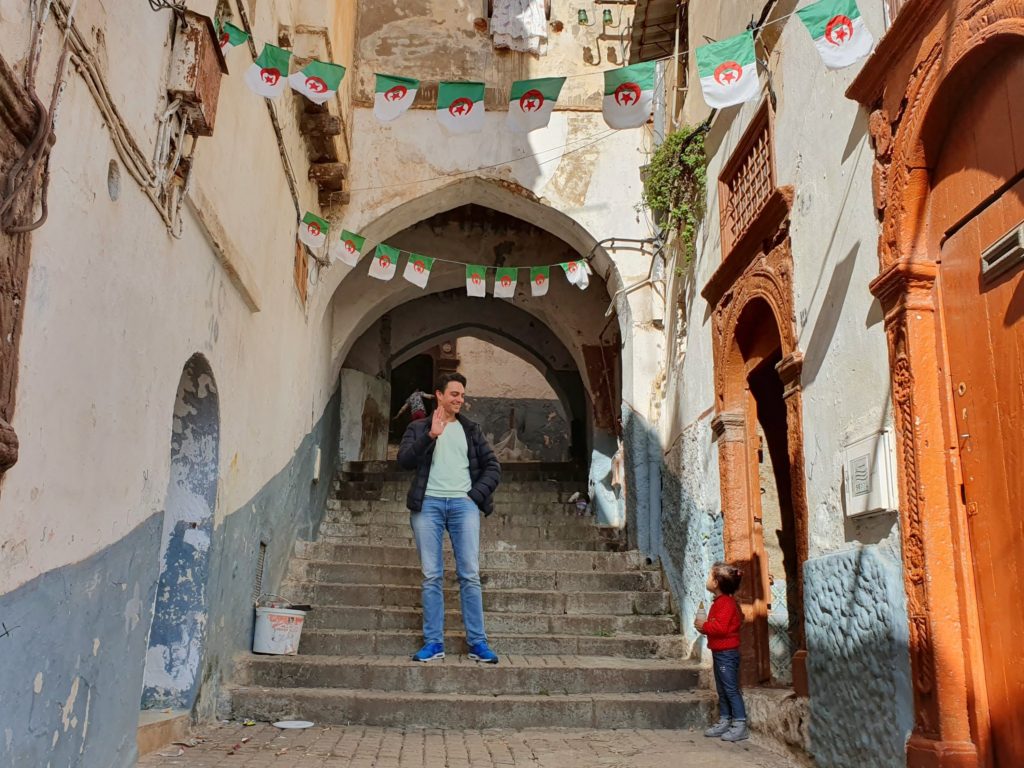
x,y
844,379
286,508
69,697
114,309
364,406
180,615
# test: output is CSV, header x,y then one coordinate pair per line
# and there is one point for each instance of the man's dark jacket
x,y
417,451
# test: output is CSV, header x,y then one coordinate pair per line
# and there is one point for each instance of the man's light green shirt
x,y
449,467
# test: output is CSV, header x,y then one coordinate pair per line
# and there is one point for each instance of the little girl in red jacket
x,y
722,628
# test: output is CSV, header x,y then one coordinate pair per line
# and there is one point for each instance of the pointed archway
x,y
478,222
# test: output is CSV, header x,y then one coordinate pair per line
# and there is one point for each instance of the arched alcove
x,y
178,632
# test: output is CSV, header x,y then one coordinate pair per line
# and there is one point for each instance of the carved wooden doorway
x,y
758,406
982,287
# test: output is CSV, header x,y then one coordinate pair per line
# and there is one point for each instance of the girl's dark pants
x,y
727,680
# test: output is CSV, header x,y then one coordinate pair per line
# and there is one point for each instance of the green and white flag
x,y
583,281
838,31
313,230
728,71
417,269
540,277
573,271
505,279
531,102
269,73
629,95
394,96
476,280
348,248
229,36
385,262
460,106
317,81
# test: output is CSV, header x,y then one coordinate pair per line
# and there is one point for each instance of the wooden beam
x,y
329,176
333,199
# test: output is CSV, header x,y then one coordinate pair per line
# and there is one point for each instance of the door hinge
x,y
972,508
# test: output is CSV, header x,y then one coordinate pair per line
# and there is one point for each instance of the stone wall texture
x,y
691,521
858,659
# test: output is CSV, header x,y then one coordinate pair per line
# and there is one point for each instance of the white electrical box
x,y
869,475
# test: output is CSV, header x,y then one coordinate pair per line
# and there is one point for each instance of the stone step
x,y
391,513
368,618
516,675
495,600
566,581
364,538
509,470
447,710
515,535
545,560
397,493
402,643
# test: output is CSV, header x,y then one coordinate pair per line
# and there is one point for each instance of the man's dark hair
x,y
448,378
728,577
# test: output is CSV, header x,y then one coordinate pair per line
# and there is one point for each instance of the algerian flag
x,y
317,81
348,248
573,271
838,31
385,262
230,36
313,230
267,75
539,279
417,269
728,71
629,95
476,280
531,102
460,106
505,280
583,281
394,96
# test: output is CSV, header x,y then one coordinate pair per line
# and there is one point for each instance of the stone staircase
x,y
585,631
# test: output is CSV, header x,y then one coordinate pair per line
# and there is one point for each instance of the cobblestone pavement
x,y
369,747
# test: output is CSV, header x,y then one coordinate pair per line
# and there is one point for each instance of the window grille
x,y
748,180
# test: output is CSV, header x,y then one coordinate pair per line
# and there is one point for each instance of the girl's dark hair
x,y
448,378
728,577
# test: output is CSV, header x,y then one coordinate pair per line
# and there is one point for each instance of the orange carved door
x,y
982,282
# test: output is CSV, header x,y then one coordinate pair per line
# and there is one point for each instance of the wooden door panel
x,y
985,336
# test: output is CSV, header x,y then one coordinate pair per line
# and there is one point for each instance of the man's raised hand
x,y
438,423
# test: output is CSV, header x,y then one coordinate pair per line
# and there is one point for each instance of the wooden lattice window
x,y
748,180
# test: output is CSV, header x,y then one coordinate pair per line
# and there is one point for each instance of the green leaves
x,y
676,184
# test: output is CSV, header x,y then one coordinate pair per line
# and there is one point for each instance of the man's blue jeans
x,y
727,680
461,518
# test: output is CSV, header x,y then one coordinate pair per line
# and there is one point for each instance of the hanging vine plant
x,y
675,184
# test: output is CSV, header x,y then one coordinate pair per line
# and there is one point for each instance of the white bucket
x,y
277,631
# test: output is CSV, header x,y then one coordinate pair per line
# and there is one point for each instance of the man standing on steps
x,y
456,475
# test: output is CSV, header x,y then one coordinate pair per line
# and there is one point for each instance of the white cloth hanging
x,y
520,25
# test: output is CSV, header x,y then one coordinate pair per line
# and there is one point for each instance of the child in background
x,y
722,628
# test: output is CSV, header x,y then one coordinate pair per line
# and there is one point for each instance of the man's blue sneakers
x,y
482,652
431,651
